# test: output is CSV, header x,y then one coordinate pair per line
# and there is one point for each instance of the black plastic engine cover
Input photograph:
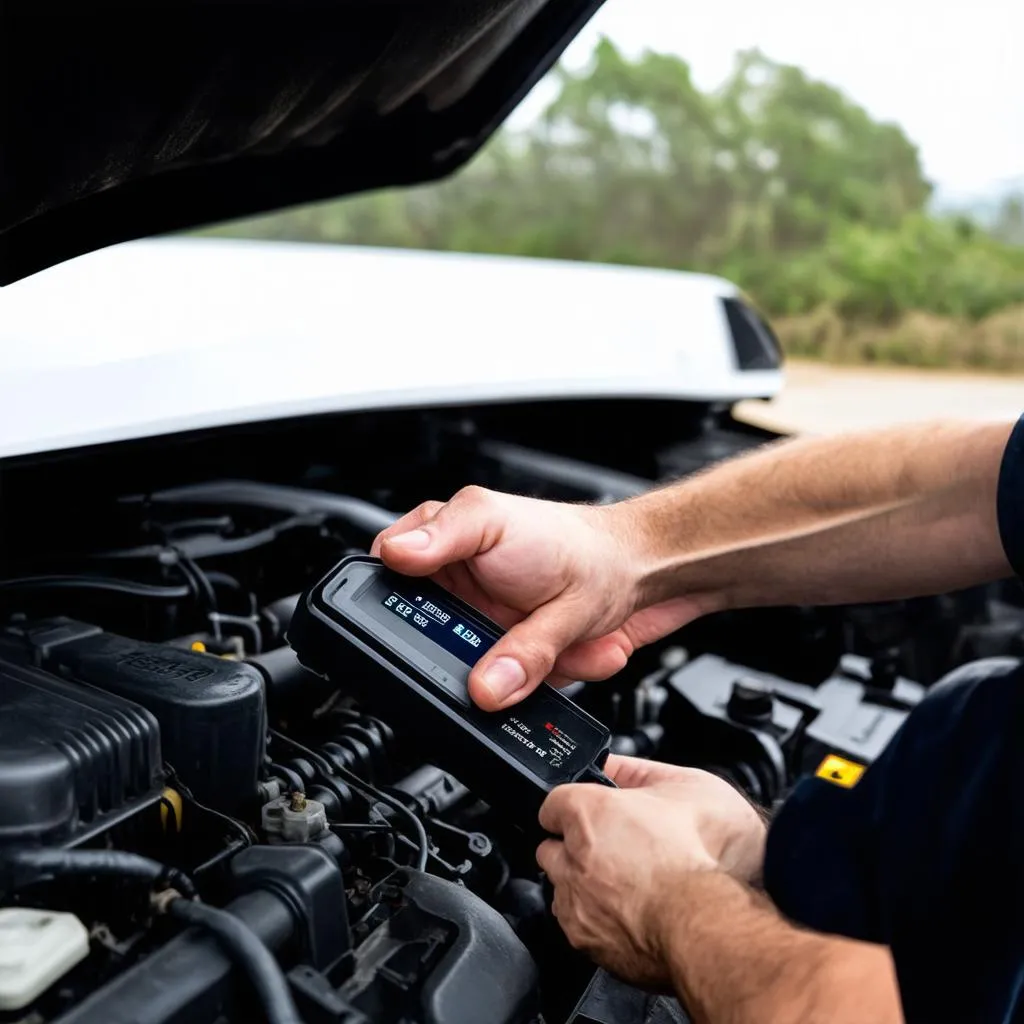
x,y
444,957
211,711
73,760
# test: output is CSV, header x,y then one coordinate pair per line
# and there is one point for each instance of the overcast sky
x,y
951,73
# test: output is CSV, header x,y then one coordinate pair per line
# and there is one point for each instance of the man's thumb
x,y
523,658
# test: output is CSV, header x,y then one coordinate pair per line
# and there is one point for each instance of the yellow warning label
x,y
839,771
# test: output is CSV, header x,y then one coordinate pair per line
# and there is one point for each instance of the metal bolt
x,y
298,802
479,843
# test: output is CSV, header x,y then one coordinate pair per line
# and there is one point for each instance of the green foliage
x,y
914,339
776,181
1009,225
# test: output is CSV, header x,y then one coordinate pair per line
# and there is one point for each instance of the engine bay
x,y
153,713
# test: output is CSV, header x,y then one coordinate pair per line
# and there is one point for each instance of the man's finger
x,y
524,657
634,772
410,521
627,772
552,859
559,811
595,659
468,525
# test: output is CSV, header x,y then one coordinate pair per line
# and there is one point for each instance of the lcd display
x,y
441,624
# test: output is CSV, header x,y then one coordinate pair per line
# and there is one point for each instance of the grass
x,y
915,339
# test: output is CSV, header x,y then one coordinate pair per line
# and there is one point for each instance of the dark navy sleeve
x,y
925,853
1010,499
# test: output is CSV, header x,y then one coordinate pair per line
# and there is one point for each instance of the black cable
x,y
289,775
204,546
422,843
29,864
171,813
117,586
203,589
248,835
248,624
204,582
216,618
370,826
246,950
227,853
594,774
224,579
317,760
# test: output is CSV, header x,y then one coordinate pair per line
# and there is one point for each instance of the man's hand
x,y
622,855
652,880
865,517
564,579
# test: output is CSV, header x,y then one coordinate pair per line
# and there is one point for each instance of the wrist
x,y
638,546
666,544
669,915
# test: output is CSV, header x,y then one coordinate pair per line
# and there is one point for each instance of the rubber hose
x,y
243,947
116,863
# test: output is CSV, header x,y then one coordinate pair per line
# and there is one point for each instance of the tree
x,y
775,180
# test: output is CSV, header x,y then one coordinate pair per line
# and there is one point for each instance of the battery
x,y
405,648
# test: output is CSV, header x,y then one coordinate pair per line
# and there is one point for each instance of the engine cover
x,y
73,760
211,711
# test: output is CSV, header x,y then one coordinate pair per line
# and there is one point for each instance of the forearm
x,y
861,517
734,960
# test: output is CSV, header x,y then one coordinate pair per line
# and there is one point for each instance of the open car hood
x,y
119,121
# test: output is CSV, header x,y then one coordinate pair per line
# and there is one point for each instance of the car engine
x,y
159,738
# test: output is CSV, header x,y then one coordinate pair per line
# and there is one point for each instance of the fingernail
x,y
414,540
503,678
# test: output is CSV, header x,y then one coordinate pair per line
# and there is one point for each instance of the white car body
x,y
170,335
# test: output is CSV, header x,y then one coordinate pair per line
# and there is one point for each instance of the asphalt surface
x,y
823,399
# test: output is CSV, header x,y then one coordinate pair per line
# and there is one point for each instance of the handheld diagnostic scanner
x,y
405,647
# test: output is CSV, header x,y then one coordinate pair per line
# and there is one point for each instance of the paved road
x,y
823,399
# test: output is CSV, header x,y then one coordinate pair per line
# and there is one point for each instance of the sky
x,y
951,73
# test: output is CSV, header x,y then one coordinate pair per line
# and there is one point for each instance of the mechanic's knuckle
x,y
474,496
586,847
424,510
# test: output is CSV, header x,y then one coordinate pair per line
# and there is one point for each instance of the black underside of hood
x,y
125,120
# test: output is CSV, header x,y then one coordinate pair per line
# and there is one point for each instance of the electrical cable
x,y
249,625
317,760
203,588
246,950
233,847
118,586
249,837
27,865
289,775
171,813
205,546
224,579
370,826
420,833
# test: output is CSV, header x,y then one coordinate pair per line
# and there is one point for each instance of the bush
x,y
917,338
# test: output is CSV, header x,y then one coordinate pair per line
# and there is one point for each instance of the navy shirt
x,y
926,852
